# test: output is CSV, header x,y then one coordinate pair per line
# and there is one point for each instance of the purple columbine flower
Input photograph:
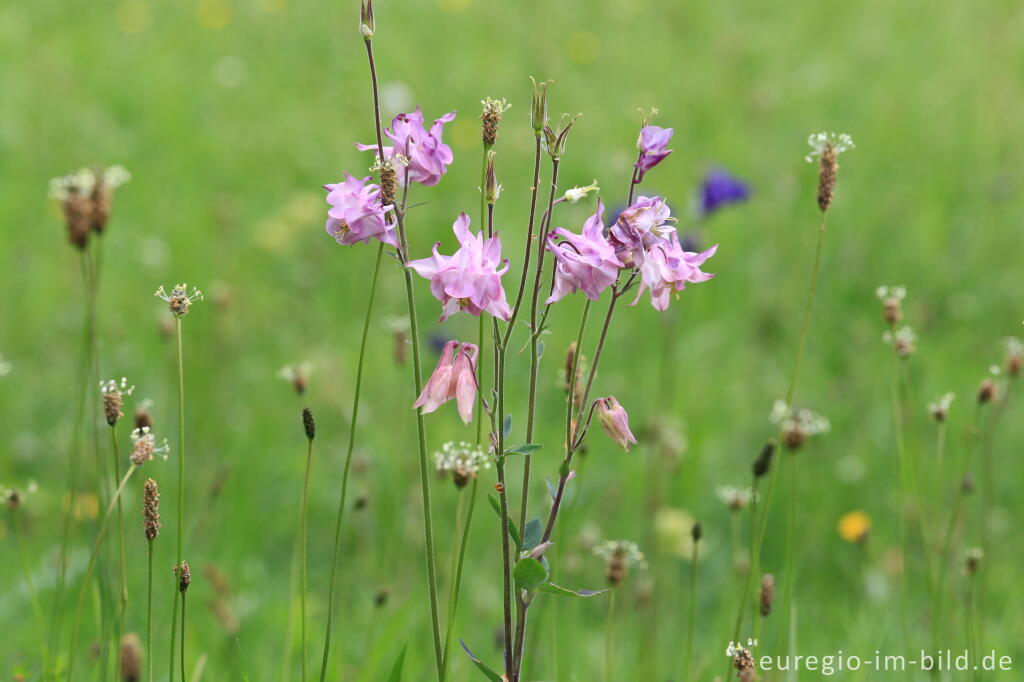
x,y
640,227
469,279
453,377
667,268
428,156
356,213
719,188
615,421
583,261
652,143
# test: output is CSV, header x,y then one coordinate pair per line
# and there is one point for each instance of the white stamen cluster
x,y
807,421
495,106
736,498
144,446
392,163
736,648
626,550
179,299
838,142
885,293
112,386
461,458
939,408
903,341
84,181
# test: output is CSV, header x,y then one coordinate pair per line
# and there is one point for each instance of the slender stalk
x,y
33,598
120,527
529,240
182,636
87,579
691,620
303,534
181,487
608,637
458,557
149,611
348,461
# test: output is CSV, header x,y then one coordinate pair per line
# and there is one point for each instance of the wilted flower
x,y
667,268
583,261
469,279
428,156
179,300
144,446
652,144
462,460
615,421
719,188
113,394
453,377
620,556
797,424
639,227
736,498
903,341
356,213
939,408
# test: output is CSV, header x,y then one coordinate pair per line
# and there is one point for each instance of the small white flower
x,y
903,341
461,459
576,193
627,550
839,142
495,106
80,182
939,408
144,446
115,176
112,386
736,498
885,293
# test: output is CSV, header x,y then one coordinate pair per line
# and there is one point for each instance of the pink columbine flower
x,y
428,156
652,143
615,421
639,227
469,279
356,213
583,261
667,268
454,377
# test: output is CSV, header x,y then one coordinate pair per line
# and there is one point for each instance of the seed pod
x,y
184,577
131,658
151,508
308,423
697,532
763,463
767,593
827,177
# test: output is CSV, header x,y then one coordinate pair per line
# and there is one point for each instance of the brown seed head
x,y
77,209
570,362
827,171
184,577
491,117
112,406
151,508
308,423
986,391
143,418
696,532
743,661
388,183
102,196
1013,365
13,500
131,658
973,561
794,437
892,310
767,593
616,569
763,463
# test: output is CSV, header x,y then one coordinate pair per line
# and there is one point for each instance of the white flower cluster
x,y
903,340
736,648
885,293
839,142
806,421
462,457
736,498
84,181
627,550
111,386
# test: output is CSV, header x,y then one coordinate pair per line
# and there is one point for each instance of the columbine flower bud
x,y
491,117
576,193
308,424
151,508
554,140
366,24
184,577
827,147
615,421
179,300
492,190
539,111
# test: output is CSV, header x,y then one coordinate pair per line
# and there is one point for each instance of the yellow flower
x,y
854,526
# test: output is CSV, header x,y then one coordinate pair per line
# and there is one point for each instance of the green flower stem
x,y
182,635
457,584
149,611
303,531
33,598
115,451
691,620
181,487
87,579
348,461
609,638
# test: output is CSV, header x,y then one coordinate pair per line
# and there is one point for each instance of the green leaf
x,y
530,574
396,669
532,534
490,674
513,531
524,449
506,428
551,588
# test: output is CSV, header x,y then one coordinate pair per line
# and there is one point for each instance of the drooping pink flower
x,y
583,261
356,213
469,279
667,268
652,143
639,227
428,156
615,421
454,377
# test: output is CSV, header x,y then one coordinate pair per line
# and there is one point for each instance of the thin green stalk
x,y
348,461
149,612
181,488
691,620
460,556
37,611
303,530
608,637
115,451
87,578
182,637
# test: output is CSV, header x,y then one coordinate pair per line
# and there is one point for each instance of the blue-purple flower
x,y
719,188
652,145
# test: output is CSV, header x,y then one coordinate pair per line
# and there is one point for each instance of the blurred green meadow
x,y
230,116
